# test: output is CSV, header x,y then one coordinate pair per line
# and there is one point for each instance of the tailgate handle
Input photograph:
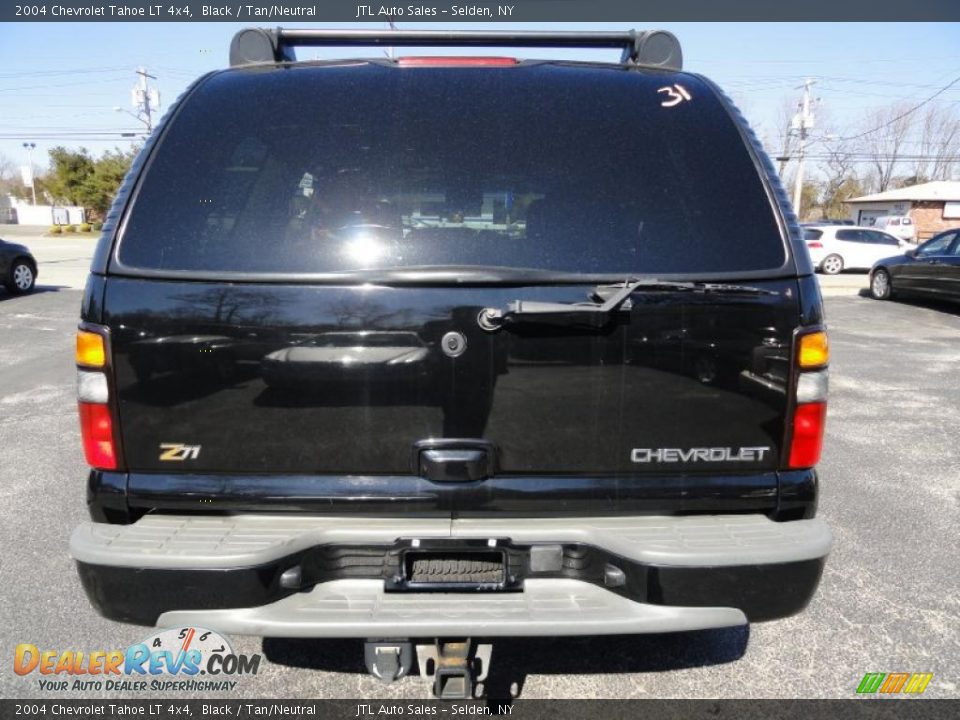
x,y
453,460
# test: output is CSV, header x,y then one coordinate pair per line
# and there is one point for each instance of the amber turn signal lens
x,y
814,350
91,351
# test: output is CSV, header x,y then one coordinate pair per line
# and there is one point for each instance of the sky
x,y
59,79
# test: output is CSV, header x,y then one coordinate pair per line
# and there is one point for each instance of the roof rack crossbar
x,y
652,48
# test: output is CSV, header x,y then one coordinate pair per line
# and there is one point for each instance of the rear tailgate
x,y
270,378
293,297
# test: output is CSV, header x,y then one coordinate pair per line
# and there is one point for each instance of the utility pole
x,y
802,123
391,51
146,99
33,181
784,157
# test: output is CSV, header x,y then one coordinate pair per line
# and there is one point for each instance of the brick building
x,y
933,206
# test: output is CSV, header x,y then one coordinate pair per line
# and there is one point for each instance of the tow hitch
x,y
386,660
456,668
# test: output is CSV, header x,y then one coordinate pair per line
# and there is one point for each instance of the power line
x,y
66,84
50,73
73,136
885,83
867,157
68,129
905,113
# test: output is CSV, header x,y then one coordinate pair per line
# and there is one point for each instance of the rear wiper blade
x,y
729,289
610,298
706,288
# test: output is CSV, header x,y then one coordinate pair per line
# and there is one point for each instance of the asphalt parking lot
x,y
889,600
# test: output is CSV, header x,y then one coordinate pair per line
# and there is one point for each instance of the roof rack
x,y
651,48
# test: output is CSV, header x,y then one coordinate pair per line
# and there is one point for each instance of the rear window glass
x,y
315,170
810,234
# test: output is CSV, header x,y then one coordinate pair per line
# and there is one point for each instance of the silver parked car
x,y
834,248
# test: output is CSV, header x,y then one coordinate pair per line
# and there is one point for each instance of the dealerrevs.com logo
x,y
178,659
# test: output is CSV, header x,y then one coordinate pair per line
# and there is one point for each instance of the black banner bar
x,y
320,11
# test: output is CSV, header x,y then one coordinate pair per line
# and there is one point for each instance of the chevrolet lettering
x,y
718,454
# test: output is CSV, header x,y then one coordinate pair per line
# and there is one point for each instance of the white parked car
x,y
834,248
900,226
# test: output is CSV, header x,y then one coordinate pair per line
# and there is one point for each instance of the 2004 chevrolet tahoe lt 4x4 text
x,y
447,349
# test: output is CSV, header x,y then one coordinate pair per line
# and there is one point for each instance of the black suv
x,y
451,348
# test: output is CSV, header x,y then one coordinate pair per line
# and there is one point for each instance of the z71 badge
x,y
178,452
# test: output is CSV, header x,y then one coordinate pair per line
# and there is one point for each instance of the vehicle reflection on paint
x,y
366,356
196,353
742,351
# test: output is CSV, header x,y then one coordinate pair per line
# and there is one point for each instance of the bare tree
x,y
840,177
884,135
8,175
938,143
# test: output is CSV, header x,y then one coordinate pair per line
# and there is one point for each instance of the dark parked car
x,y
18,268
931,270
523,370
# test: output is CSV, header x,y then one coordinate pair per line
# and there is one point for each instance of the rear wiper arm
x,y
595,313
610,298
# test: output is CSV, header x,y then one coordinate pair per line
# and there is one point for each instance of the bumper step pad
x,y
361,609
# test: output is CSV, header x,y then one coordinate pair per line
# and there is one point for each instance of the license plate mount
x,y
463,566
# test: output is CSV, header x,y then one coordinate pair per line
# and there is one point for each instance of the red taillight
x,y
814,245
810,360
96,429
807,437
417,61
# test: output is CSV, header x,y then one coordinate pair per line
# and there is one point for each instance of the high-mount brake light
x,y
91,349
452,61
810,409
